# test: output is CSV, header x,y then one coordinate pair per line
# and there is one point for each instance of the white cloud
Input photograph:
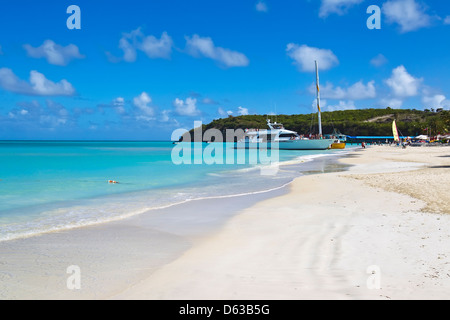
x,y
57,109
343,105
136,40
54,115
242,111
305,56
339,7
394,103
204,47
145,118
224,113
436,101
42,86
357,91
379,60
142,103
157,48
119,104
221,112
129,50
409,14
209,101
165,115
403,84
54,53
261,6
186,108
38,84
447,20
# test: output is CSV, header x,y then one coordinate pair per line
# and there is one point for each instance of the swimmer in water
x,y
112,181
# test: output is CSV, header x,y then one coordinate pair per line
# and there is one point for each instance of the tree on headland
x,y
363,122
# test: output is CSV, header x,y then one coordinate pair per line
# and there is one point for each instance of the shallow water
x,y
48,186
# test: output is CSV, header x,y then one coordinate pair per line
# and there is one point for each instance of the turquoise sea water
x,y
46,186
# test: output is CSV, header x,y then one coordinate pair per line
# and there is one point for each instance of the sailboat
x,y
287,139
397,138
395,132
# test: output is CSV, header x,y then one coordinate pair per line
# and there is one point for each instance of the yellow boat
x,y
340,140
338,145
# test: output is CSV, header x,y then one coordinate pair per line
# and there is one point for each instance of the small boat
x,y
341,144
338,146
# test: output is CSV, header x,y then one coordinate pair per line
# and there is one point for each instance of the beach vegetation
x,y
363,122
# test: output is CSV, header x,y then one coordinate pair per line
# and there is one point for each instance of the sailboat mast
x,y
318,99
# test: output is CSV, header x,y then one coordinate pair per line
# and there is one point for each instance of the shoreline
x,y
144,208
128,249
327,250
112,255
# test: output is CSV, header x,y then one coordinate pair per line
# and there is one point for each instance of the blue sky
x,y
141,69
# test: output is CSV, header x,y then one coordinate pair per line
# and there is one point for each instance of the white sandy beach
x,y
319,238
324,240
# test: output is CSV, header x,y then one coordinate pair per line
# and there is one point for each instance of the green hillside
x,y
367,122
